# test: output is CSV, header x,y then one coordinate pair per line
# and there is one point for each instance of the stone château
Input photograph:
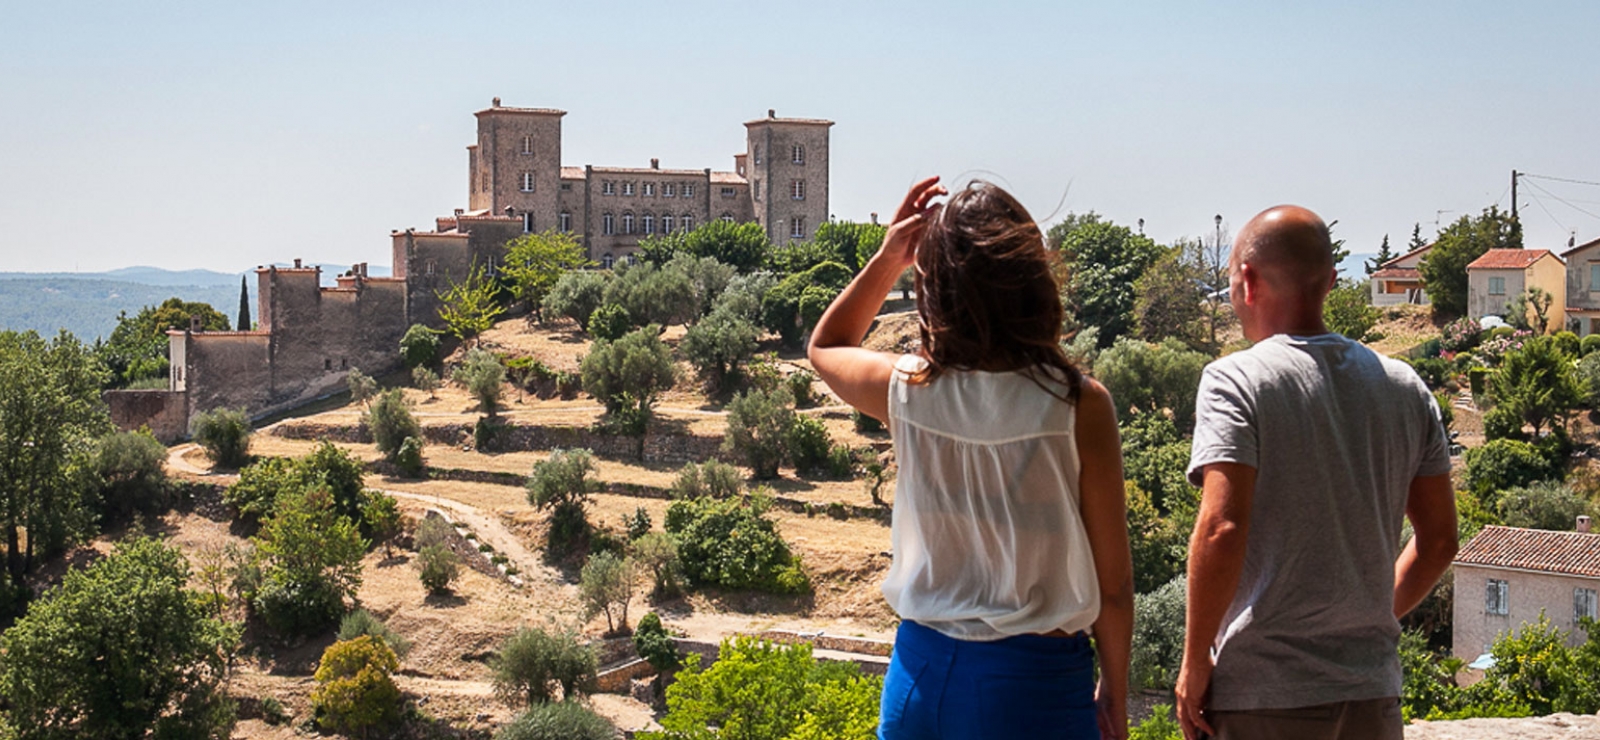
x,y
309,337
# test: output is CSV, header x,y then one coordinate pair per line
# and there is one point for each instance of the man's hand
x,y
1194,682
1111,711
900,243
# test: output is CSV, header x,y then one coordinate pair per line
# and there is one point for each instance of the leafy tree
x,y
225,435
1444,268
424,379
391,422
1384,255
758,429
50,416
380,513
244,307
1535,669
712,478
1152,377
468,308
1543,505
419,347
850,243
743,245
362,623
558,720
1538,383
1530,310
532,663
118,650
707,277
1160,544
1168,300
605,585
577,294
793,306
1417,242
627,374
534,262
808,444
732,543
1155,457
652,643
131,469
1501,464
1102,262
440,567
311,560
1349,311
1158,625
758,689
719,344
255,495
409,457
654,295
481,373
362,387
335,470
355,690
743,295
561,484
138,346
657,553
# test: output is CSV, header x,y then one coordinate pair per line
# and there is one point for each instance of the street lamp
x,y
1219,232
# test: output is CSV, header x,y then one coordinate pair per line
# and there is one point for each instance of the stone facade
x,y
1478,621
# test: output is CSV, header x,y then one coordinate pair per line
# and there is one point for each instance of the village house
x,y
1583,288
1399,280
1507,576
1498,277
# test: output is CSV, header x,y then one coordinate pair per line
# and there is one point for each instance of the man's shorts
x,y
1368,719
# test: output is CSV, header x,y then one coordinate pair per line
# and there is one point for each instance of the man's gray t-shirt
x,y
1336,434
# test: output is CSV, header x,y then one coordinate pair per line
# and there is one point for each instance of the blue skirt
x,y
1029,686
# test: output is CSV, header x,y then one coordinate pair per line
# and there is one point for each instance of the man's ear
x,y
1248,285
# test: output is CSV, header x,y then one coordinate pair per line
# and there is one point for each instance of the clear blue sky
x,y
219,136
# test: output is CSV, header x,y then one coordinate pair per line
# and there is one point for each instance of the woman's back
x,y
987,536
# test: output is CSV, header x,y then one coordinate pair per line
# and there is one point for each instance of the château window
x,y
1584,604
527,145
668,190
1497,598
1497,286
687,222
727,217
649,223
688,190
797,190
608,261
566,187
666,223
485,187
527,182
608,224
608,188
527,223
797,228
757,153
728,192
755,190
627,223
649,190
627,188
566,221
799,154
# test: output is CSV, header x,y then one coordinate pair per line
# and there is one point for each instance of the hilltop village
x,y
569,467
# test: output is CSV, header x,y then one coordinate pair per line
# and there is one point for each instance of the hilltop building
x,y
1522,573
309,337
1500,275
1399,280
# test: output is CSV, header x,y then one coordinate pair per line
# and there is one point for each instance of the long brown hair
x,y
985,296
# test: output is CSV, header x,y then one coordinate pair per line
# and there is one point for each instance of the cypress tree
x,y
244,305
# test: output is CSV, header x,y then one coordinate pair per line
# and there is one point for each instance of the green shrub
x,y
1158,625
1447,410
409,457
298,608
628,373
1160,725
273,712
637,525
1348,310
310,561
577,295
657,552
225,435
1546,504
605,585
532,663
355,690
791,307
425,379
440,567
653,643
609,322
712,478
808,444
419,347
360,623
559,720
390,420
1151,377
1588,344
485,432
132,474
1501,464
481,374
1568,344
719,344
362,387
865,423
801,385
331,467
380,517
758,429
561,485
433,531
734,545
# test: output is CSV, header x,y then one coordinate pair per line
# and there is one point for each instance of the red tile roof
x,y
728,178
1570,553
572,173
1399,272
1508,259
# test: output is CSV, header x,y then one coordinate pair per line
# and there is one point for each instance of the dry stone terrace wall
x,y
162,411
672,449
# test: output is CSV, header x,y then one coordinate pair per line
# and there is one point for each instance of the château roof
x,y
646,171
522,111
728,178
1508,259
572,173
1569,553
804,121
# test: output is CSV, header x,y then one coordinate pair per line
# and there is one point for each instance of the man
x,y
1310,449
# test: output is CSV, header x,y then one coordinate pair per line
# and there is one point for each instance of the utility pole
x,y
1513,195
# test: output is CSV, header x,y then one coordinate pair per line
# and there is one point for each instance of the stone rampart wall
x,y
165,412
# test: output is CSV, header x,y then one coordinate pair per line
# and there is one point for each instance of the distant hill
x,y
87,304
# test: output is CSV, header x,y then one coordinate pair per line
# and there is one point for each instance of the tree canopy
x,y
1102,262
1444,268
534,262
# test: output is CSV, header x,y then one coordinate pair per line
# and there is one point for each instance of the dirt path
x,y
491,531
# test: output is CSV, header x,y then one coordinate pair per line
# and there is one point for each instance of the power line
x,y
1569,204
1559,179
1540,201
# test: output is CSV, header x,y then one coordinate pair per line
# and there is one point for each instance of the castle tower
x,y
786,164
516,164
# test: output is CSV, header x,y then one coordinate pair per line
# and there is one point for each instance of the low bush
x,y
560,720
531,664
1158,636
409,458
391,423
433,531
653,643
865,423
132,474
425,379
712,479
609,323
637,524
225,435
802,386
355,691
440,567
362,387
1501,464
380,518
419,347
361,623
1588,344
808,444
1568,344
734,545
758,429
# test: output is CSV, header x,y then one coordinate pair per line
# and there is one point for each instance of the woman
x,y
1009,532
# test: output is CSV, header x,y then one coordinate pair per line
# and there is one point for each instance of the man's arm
x,y
1216,556
1431,507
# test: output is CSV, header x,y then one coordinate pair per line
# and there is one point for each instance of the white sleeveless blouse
x,y
987,537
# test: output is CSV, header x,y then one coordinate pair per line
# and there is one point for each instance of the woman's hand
x,y
1111,711
900,244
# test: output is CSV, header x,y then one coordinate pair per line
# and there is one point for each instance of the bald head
x,y
1290,248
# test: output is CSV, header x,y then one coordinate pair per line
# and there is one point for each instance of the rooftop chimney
x,y
460,211
195,325
508,211
772,113
297,263
497,102
655,164
1583,524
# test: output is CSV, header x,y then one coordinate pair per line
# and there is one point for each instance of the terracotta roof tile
x,y
1571,553
728,178
647,171
1508,259
572,173
1399,272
